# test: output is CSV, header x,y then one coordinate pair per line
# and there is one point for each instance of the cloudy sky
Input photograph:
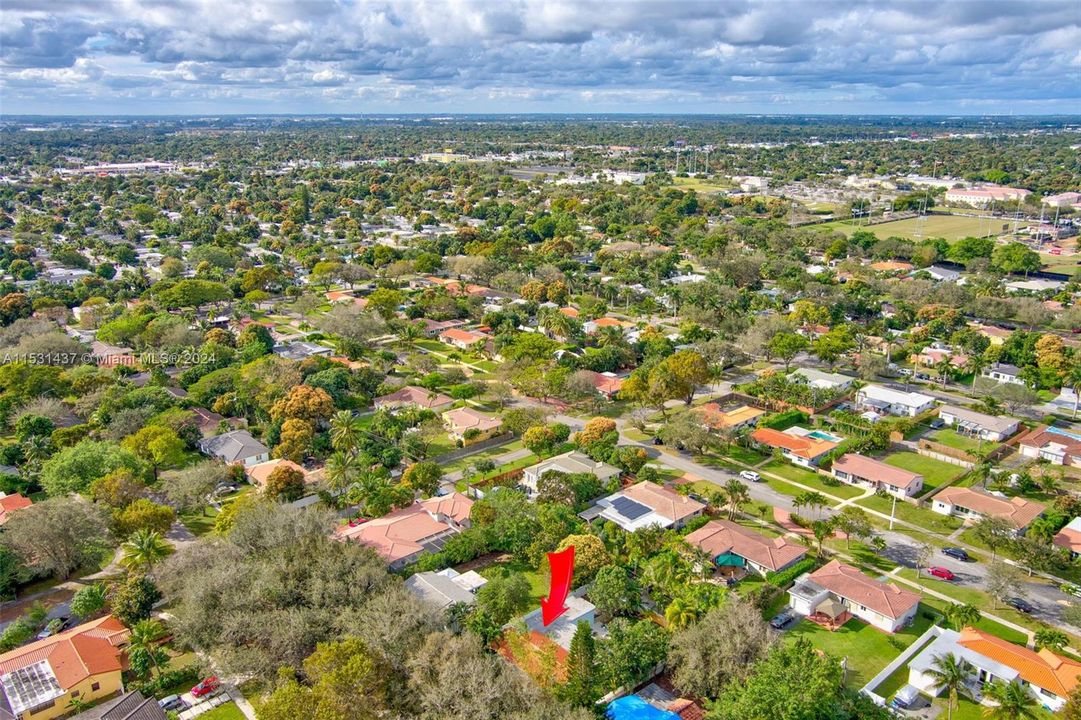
x,y
353,56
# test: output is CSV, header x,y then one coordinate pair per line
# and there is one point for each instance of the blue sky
x,y
348,56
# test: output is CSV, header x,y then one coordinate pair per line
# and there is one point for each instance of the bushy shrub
x,y
785,577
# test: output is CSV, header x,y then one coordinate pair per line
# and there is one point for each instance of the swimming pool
x,y
822,435
632,707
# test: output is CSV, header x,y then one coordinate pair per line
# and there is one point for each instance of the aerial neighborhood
x,y
300,420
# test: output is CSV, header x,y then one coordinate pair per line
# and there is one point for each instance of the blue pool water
x,y
819,435
632,707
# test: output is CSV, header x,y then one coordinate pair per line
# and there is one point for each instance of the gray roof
x,y
233,446
438,590
132,706
971,417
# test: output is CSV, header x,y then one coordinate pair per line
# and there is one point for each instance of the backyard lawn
x,y
811,479
486,454
935,472
951,438
538,581
865,649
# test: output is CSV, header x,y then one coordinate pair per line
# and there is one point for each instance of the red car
x,y
942,573
206,687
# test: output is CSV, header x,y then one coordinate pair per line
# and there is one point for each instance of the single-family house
x,y
893,402
592,326
468,426
446,587
411,395
734,419
561,630
822,380
797,444
432,328
1048,676
463,339
991,428
607,384
931,357
836,592
237,446
645,504
1053,444
10,502
856,469
403,536
972,504
300,350
941,274
1069,537
1003,373
730,544
569,463
39,681
260,472
106,355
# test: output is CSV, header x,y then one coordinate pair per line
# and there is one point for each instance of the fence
x,y
869,689
476,447
945,453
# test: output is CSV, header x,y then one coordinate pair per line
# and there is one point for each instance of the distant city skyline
x,y
328,57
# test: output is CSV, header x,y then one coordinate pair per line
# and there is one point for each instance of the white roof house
x,y
236,446
893,402
987,427
570,463
823,380
446,587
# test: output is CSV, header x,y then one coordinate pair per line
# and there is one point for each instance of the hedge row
x,y
786,576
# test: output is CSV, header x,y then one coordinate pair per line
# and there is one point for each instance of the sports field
x,y
702,186
950,227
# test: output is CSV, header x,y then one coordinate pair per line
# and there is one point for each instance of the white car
x,y
750,475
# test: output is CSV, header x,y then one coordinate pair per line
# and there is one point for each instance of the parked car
x,y
208,686
750,475
781,619
941,572
54,626
1021,605
172,702
957,554
938,424
658,441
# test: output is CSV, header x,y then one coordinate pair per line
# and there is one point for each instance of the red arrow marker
x,y
562,566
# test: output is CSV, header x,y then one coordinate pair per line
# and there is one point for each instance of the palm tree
x,y
680,613
1014,700
945,370
340,471
346,431
949,672
143,642
735,494
975,365
144,549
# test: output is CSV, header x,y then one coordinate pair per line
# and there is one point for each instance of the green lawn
x,y
198,521
744,455
935,472
486,454
951,438
811,479
538,581
950,227
921,517
228,711
865,648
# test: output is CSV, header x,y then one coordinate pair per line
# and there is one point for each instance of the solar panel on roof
x,y
629,508
30,687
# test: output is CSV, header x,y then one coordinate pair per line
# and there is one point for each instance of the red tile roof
x,y
719,537
666,503
1018,511
10,503
89,649
805,447
1044,669
848,582
871,469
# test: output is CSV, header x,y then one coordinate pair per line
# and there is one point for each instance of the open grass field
x,y
702,186
865,649
538,581
950,437
950,227
228,711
